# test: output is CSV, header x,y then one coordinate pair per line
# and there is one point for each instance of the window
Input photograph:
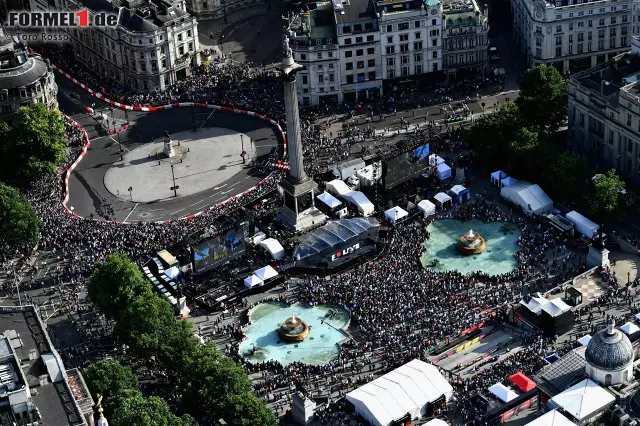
x,y
612,32
417,57
349,66
581,24
320,78
359,39
404,37
330,54
580,37
600,44
180,37
163,64
434,54
346,29
580,48
558,28
433,22
571,49
559,41
590,23
369,38
613,20
188,33
348,54
190,46
559,51
389,39
405,71
623,41
372,75
404,59
570,38
391,73
607,380
391,50
418,35
368,26
601,21
416,24
403,26
434,42
417,45
389,28
319,55
570,26
559,16
624,18
600,33
150,42
181,50
370,50
349,78
359,52
347,41
418,69
538,52
361,76
404,47
357,28
303,56
612,43
371,63
629,124
391,61
538,42
305,79
360,65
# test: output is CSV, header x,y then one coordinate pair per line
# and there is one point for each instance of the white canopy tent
x,y
358,199
172,272
582,224
407,389
266,273
444,171
435,159
427,207
584,340
551,418
329,200
582,400
338,187
395,214
556,307
630,328
441,198
502,392
508,181
496,176
531,198
274,248
637,317
535,304
252,281
436,422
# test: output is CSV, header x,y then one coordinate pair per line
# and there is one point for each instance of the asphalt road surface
x,y
258,39
88,195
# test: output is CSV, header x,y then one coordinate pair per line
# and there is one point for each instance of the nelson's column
x,y
298,212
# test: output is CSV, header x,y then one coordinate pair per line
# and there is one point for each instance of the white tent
x,y
435,159
535,304
436,422
637,317
496,176
444,171
441,198
502,392
407,389
584,340
531,198
338,187
357,198
582,224
508,181
329,200
252,281
274,248
582,400
395,214
265,273
172,272
630,328
457,189
551,418
556,307
427,207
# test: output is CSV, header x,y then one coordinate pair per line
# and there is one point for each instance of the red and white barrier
x,y
86,143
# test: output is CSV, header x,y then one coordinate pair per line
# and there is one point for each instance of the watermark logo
x,y
57,19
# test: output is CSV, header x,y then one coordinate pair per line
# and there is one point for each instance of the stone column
x,y
294,141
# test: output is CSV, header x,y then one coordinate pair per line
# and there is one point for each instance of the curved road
x,y
88,195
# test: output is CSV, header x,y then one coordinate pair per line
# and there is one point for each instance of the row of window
x,y
360,64
601,35
581,13
601,22
404,59
580,47
404,70
403,26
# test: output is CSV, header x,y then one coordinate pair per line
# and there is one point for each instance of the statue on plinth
x,y
168,147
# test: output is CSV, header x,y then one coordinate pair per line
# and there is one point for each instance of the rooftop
x,y
397,6
354,11
38,372
18,68
562,374
451,7
608,78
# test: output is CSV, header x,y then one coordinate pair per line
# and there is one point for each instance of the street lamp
x,y
130,196
224,10
175,187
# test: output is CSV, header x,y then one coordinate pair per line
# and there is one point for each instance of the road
x,y
88,195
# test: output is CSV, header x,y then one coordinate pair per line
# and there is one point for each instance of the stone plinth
x,y
597,257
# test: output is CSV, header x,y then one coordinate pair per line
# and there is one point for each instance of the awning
x,y
584,399
252,281
442,198
502,392
427,207
523,383
265,273
329,200
630,328
395,214
274,248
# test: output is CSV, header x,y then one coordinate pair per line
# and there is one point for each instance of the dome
x,y
609,350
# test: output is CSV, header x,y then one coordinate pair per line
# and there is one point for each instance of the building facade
x,y
573,35
218,9
24,78
315,46
604,114
154,44
465,37
410,37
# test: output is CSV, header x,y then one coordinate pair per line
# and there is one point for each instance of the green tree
x,y
145,324
18,220
140,411
247,410
565,175
111,380
33,145
523,154
492,135
607,191
115,284
543,98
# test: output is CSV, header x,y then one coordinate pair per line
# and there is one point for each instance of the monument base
x,y
597,257
299,213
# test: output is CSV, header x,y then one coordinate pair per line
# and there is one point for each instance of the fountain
x,y
294,330
471,243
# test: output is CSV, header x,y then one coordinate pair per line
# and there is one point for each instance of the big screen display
x,y
407,166
217,250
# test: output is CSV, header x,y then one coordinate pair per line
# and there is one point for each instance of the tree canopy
x,y
140,411
111,380
18,221
115,284
247,410
607,192
543,98
33,145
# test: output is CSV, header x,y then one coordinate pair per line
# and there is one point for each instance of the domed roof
x,y
609,349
